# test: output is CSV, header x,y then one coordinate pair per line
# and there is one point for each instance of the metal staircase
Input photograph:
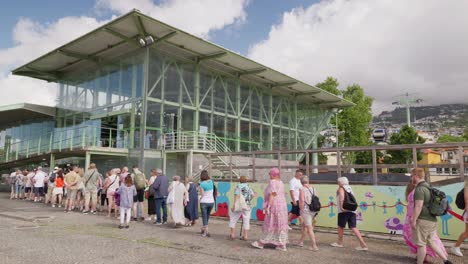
x,y
205,144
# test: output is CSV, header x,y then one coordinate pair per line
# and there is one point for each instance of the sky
x,y
388,47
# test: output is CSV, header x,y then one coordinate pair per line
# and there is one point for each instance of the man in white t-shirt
x,y
38,181
294,187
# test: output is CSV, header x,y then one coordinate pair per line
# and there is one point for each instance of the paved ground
x,y
77,238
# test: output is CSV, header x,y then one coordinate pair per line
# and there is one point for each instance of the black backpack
x,y
438,204
349,202
460,200
52,177
314,205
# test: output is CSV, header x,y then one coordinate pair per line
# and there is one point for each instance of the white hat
x,y
56,168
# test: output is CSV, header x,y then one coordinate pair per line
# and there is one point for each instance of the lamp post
x,y
407,101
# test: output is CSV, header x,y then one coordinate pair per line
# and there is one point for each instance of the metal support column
x,y
307,163
338,163
238,110
462,163
374,167
315,156
144,110
87,160
52,162
196,122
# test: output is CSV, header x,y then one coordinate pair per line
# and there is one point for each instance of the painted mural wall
x,y
382,208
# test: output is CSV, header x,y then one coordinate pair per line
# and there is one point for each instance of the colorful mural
x,y
381,208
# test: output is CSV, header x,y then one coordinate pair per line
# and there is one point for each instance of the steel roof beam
x,y
310,93
329,103
131,40
210,56
165,37
250,72
140,26
282,84
80,56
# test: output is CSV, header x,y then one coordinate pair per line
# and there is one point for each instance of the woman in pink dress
x,y
275,225
408,232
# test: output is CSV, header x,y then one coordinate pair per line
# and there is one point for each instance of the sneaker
x,y
134,219
203,235
290,228
141,219
157,223
60,206
336,245
85,212
121,226
127,226
93,212
456,251
255,244
361,248
53,206
165,223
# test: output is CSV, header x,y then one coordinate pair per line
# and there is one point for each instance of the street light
x,y
407,101
337,132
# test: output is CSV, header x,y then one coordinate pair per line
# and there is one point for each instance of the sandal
x,y
299,244
230,237
255,244
314,248
243,238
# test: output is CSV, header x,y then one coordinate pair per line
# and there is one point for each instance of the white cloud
x,y
199,17
33,39
388,47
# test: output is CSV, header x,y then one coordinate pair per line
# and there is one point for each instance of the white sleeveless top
x,y
114,185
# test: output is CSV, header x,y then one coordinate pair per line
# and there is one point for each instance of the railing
x,y
65,139
191,140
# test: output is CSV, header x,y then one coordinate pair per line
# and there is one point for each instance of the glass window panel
x,y
188,118
206,81
172,84
266,143
245,130
188,93
245,101
156,65
218,125
153,115
276,138
231,97
204,122
285,139
256,105
219,96
170,118
231,128
266,107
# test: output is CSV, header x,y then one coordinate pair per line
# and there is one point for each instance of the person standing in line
x,y
127,191
463,236
423,223
180,201
160,189
91,182
57,193
123,174
192,204
18,184
207,200
71,184
29,185
39,179
79,202
25,182
346,217
294,187
407,230
102,192
139,180
305,199
111,185
151,201
275,225
12,180
242,189
50,186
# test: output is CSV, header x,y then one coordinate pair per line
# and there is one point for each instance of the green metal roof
x,y
10,114
123,34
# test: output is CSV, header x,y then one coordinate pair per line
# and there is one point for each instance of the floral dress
x,y
408,232
275,224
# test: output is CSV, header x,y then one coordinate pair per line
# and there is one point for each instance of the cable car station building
x,y
138,91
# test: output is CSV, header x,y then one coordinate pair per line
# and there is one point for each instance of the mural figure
x,y
384,205
258,210
330,205
222,201
446,217
359,218
363,206
374,205
394,226
369,195
399,207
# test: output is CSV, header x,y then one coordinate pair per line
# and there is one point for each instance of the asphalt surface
x,y
34,233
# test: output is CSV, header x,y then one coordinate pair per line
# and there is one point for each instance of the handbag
x,y
171,195
240,204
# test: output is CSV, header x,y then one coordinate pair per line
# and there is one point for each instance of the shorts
x,y
39,191
57,191
27,189
295,209
308,217
235,216
424,232
140,197
71,194
90,195
347,218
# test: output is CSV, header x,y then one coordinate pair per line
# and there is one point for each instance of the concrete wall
x,y
379,205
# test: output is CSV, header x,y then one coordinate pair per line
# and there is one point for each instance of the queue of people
x,y
124,192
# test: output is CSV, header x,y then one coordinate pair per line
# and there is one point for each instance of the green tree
x,y
448,139
330,85
407,135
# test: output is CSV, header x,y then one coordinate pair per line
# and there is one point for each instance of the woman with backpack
x,y
242,197
346,204
308,213
456,248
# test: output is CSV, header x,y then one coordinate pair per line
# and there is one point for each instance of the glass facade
x,y
105,106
